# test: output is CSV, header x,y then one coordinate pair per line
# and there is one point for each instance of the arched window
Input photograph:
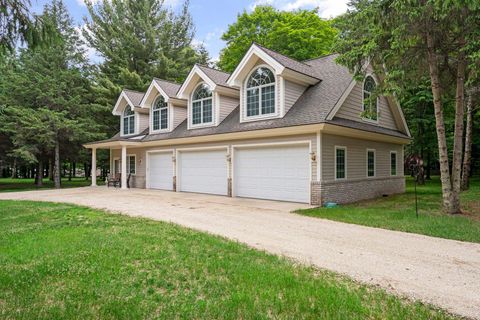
x,y
370,108
260,92
202,104
160,114
128,121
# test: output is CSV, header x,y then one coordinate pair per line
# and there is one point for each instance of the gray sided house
x,y
275,128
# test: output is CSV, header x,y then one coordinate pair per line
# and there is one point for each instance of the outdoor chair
x,y
113,180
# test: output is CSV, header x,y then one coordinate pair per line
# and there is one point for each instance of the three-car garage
x,y
264,171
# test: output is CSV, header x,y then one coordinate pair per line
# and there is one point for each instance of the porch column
x,y
124,167
94,167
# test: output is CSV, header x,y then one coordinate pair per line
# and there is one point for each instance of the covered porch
x,y
119,164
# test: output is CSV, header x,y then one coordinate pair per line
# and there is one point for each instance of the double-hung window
x,y
260,93
370,163
160,114
128,121
340,163
393,163
202,105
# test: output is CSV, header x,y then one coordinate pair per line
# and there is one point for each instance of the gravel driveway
x,y
438,271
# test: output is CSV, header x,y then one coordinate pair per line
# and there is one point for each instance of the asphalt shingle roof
x,y
134,96
312,107
170,88
217,76
290,63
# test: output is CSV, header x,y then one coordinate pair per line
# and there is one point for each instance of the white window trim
x,y
128,163
134,115
374,163
169,115
191,125
377,102
276,114
396,163
335,162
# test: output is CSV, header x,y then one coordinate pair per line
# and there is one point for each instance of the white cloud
x,y
326,8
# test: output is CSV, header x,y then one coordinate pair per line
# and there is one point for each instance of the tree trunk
x,y
39,177
440,126
56,167
74,168
70,172
467,158
14,169
458,134
50,169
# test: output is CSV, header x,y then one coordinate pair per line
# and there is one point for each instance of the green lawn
x,y
60,261
398,213
7,184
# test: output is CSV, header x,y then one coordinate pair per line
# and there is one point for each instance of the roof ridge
x,y
263,47
169,81
202,65
320,57
133,91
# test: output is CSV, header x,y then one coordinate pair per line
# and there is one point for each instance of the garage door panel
x,y
160,172
203,171
278,173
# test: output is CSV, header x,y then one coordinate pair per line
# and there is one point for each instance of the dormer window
x,y
160,114
128,121
260,93
370,103
202,105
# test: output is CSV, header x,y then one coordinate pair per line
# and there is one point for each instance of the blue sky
x,y
211,23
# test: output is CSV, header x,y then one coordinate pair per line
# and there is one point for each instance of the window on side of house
x,y
160,114
340,162
128,121
393,163
371,163
370,102
202,105
260,93
131,164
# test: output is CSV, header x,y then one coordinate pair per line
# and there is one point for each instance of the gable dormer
x,y
270,83
133,120
165,109
210,99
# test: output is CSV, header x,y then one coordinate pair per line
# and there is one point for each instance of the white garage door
x,y
160,171
277,173
203,171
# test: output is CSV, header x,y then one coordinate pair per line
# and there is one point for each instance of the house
x,y
275,128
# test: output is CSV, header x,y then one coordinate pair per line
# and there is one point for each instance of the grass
x,y
398,213
9,185
60,261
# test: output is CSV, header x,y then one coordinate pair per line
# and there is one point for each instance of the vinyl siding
x,y
352,108
138,180
143,120
179,115
293,91
227,104
357,157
